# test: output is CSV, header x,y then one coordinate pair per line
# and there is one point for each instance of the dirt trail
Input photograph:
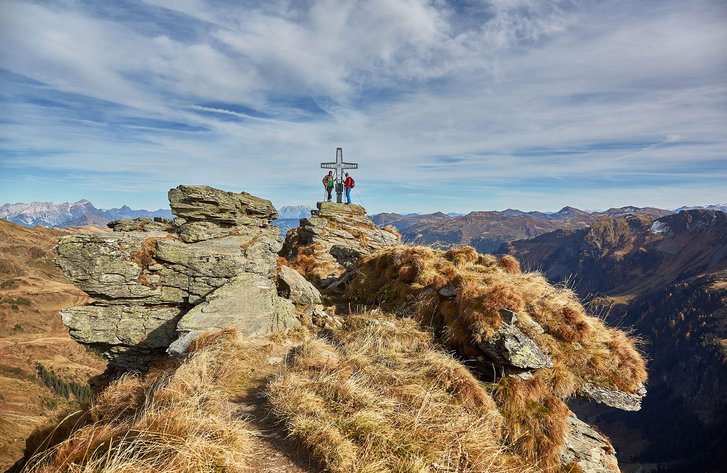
x,y
272,450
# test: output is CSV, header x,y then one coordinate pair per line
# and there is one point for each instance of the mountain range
x,y
83,212
487,230
73,214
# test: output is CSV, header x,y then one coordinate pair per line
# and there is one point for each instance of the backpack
x,y
353,183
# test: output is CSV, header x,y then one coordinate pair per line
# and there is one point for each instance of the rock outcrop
x,y
331,241
146,282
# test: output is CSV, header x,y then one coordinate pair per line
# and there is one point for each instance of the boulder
x,y
587,449
292,285
156,268
345,255
113,267
613,398
248,303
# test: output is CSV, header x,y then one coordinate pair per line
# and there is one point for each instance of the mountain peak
x,y
568,210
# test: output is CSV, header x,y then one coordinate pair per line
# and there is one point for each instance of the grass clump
x,y
460,295
176,419
380,396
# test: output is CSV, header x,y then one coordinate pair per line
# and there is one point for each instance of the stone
x,y
508,316
292,285
200,231
143,224
511,347
448,292
155,268
345,255
204,203
199,268
320,318
588,449
248,303
110,266
327,209
613,398
209,213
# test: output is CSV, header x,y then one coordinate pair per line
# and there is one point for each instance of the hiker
x,y
328,183
350,184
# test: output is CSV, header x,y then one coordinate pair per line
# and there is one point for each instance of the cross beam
x,y
339,166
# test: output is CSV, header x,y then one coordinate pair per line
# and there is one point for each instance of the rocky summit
x,y
154,281
329,242
382,385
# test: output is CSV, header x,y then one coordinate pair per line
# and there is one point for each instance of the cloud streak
x,y
447,105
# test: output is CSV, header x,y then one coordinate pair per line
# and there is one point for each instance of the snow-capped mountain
x,y
720,207
72,214
294,211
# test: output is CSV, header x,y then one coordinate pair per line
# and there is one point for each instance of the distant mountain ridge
x,y
487,230
720,207
72,214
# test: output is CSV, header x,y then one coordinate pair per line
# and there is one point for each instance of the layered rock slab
x,y
206,212
144,280
329,242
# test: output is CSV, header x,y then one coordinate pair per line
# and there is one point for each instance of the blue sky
x,y
446,105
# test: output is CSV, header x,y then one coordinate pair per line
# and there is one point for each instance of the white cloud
x,y
516,90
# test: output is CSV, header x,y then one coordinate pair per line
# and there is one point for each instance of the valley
x,y
32,292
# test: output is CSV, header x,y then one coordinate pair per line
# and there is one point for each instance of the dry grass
x,y
379,396
459,294
175,419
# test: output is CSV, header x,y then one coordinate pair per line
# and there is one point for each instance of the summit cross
x,y
339,166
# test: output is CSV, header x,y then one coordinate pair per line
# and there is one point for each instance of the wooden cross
x,y
339,166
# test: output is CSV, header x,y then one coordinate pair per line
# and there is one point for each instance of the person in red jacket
x,y
349,184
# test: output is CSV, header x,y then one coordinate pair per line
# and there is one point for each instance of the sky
x,y
445,105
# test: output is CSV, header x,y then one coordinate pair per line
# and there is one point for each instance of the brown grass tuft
x,y
381,397
462,256
460,295
509,264
175,420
